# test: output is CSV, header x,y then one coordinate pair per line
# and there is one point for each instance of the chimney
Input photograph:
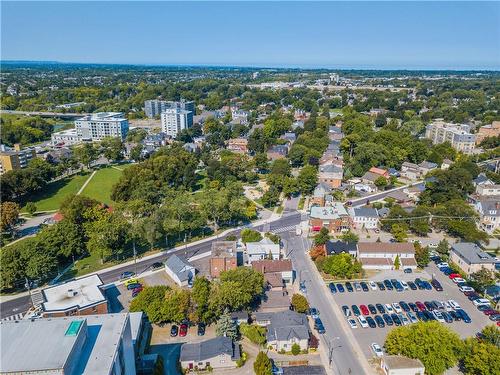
x,y
17,147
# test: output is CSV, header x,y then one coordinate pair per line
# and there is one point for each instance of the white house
x,y
364,217
262,250
382,255
364,187
181,272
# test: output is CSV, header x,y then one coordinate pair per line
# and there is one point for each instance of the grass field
x,y
54,193
101,184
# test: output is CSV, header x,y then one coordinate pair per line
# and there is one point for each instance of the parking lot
x,y
367,336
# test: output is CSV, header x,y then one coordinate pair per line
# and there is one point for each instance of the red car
x,y
490,312
454,275
183,330
420,306
364,310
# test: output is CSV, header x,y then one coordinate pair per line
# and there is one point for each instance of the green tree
x,y
481,279
307,179
176,305
30,208
200,295
136,152
271,197
381,182
397,262
151,301
349,236
226,326
261,162
250,235
422,256
415,340
300,303
399,231
112,148
341,266
480,358
443,249
322,237
491,334
262,364
254,333
9,214
86,154
295,349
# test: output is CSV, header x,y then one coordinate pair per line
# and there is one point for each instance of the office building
x,y
458,135
100,125
15,158
153,108
91,345
174,120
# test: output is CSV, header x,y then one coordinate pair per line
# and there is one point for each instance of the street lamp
x,y
330,350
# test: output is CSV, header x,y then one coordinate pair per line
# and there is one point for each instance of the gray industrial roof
x,y
472,253
204,350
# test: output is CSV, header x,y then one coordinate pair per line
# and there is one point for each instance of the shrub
x,y
299,303
254,333
295,349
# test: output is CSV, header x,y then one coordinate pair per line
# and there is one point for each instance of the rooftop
x,y
386,247
266,266
103,116
334,212
472,253
80,293
204,350
365,212
337,247
399,362
179,267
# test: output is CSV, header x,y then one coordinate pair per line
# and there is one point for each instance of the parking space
x,y
367,336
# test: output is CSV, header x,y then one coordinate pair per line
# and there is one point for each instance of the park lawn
x,y
51,197
99,187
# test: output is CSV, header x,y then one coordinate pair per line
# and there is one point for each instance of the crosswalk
x,y
284,229
13,317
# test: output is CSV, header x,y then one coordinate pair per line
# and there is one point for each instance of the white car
x,y
389,308
439,317
481,301
397,308
454,304
377,349
352,323
433,245
448,306
403,319
443,265
466,288
373,285
412,317
404,284
457,280
362,321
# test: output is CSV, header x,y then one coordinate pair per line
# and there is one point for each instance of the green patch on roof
x,y
73,328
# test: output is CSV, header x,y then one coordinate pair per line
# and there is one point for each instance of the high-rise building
x,y
99,125
15,158
174,120
156,107
458,135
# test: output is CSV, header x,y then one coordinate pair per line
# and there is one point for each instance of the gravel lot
x,y
366,336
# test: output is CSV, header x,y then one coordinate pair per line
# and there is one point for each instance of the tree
x,y
136,152
271,197
481,357
9,215
341,265
381,182
226,326
30,207
254,333
250,235
322,237
261,162
397,262
481,279
415,341
86,154
150,301
349,236
200,295
176,305
300,303
491,334
295,349
399,231
443,249
307,179
422,255
263,364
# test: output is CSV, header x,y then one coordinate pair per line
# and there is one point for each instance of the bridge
x,y
45,114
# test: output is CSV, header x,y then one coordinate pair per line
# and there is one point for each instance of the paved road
x,y
22,304
378,196
345,358
45,114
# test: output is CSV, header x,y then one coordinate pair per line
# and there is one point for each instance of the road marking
x,y
13,317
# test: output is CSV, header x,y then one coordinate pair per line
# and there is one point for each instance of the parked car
x,y
454,304
131,281
377,349
466,288
427,285
447,271
495,318
420,284
183,330
156,265
420,306
388,284
439,316
413,307
371,322
174,330
364,310
373,285
396,320
355,310
465,317
372,309
473,296
380,321
346,311
201,329
412,285
352,323
126,275
302,287
436,284
332,288
443,265
349,287
404,284
428,305
380,308
364,286
490,312
134,286
429,315
458,280
421,316
340,288
318,326
387,319
456,317
481,301
396,307
412,317
389,308
362,322
136,292
404,306
403,319
454,275
381,285
408,270
314,312
357,286
483,307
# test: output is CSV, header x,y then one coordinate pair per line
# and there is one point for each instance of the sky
x,y
370,35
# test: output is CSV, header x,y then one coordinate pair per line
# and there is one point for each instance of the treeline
x,y
24,130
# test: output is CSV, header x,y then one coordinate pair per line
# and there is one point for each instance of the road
x,y
378,196
22,304
346,358
45,114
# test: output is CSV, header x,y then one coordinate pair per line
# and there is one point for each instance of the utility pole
x,y
29,290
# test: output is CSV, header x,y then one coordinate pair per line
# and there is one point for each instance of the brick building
x,y
223,257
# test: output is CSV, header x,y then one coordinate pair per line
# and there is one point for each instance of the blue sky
x,y
380,35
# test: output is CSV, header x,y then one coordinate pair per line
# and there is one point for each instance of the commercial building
x,y
93,345
364,217
223,257
382,255
458,135
174,120
486,131
100,125
335,218
67,137
470,258
399,365
83,296
330,174
264,249
217,353
15,158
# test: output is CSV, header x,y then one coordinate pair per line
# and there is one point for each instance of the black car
x,y
387,319
174,331
372,309
380,308
404,306
495,318
421,316
407,270
201,329
396,319
429,306
332,288
349,287
380,321
371,322
413,307
380,285
420,284
436,285
427,285
456,317
318,326
447,317
397,285
474,296
355,310
340,288
156,265
388,284
364,286
429,315
412,285
465,317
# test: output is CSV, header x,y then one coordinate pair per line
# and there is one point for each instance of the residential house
x,y
489,210
399,365
446,164
365,187
331,157
223,257
482,179
379,171
289,137
264,249
284,329
84,296
330,174
277,152
275,299
218,353
410,171
239,145
381,255
488,190
282,269
240,317
335,218
470,258
318,197
180,271
364,217
491,130
426,166
338,247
